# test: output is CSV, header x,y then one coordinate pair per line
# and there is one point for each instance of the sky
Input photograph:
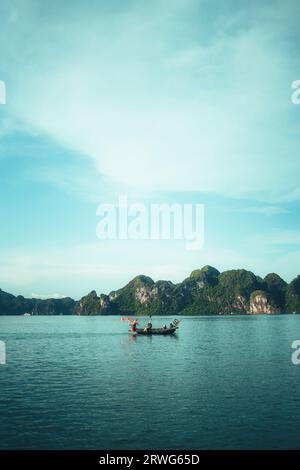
x,y
184,102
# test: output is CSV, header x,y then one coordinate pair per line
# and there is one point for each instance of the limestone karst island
x,y
205,292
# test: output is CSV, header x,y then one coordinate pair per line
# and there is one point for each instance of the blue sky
x,y
179,101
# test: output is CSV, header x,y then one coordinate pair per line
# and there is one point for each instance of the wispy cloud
x,y
177,98
47,296
262,209
278,238
81,268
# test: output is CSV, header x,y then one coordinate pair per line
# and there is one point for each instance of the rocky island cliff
x,y
205,292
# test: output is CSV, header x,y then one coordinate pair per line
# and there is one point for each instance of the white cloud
x,y
47,296
157,107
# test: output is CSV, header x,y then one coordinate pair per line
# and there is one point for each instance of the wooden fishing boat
x,y
158,331
155,331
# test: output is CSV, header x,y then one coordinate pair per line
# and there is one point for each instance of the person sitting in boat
x,y
165,327
149,326
174,323
133,326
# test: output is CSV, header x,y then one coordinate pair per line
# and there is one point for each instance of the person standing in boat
x,y
133,326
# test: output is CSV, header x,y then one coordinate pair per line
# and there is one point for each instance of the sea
x,y
84,382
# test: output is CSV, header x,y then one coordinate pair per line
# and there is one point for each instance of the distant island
x,y
205,292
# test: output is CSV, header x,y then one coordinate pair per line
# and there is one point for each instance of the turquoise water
x,y
83,382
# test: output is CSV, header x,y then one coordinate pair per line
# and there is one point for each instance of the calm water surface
x,y
83,382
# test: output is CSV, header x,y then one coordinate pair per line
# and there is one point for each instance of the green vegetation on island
x,y
205,292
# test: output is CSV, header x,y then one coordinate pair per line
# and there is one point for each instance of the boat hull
x,y
155,331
